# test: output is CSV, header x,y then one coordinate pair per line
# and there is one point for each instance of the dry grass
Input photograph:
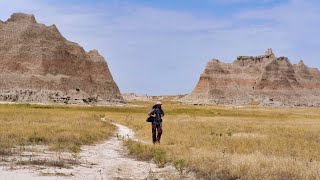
x,y
60,127
236,143
214,141
146,153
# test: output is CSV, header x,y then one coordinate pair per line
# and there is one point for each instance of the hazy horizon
x,y
162,47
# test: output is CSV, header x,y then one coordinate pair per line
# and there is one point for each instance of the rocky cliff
x,y
37,64
266,80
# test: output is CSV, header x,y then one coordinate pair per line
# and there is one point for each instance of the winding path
x,y
108,160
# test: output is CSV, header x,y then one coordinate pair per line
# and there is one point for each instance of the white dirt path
x,y
108,160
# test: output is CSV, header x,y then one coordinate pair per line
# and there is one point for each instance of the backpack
x,y
150,119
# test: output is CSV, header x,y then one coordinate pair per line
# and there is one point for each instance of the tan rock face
x,y
265,79
37,64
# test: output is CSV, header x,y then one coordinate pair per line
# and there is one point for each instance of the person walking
x,y
157,113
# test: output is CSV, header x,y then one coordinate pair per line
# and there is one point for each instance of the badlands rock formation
x,y
265,80
37,64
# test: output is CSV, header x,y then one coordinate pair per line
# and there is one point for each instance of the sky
x,y
161,47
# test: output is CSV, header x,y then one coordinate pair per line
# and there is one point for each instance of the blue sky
x,y
161,47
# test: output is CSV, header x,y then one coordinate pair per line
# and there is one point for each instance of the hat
x,y
158,103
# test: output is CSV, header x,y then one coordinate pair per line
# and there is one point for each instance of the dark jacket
x,y
159,113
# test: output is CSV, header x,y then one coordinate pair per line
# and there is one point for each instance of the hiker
x,y
157,114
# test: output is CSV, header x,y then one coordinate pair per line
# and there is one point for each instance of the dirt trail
x,y
108,160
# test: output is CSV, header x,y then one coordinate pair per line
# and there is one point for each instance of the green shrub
x,y
141,151
75,151
159,157
180,165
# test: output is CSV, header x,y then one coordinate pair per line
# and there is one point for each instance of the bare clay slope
x,y
265,80
38,64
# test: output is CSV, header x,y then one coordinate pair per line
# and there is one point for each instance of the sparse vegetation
x,y
159,157
141,151
180,165
146,152
75,152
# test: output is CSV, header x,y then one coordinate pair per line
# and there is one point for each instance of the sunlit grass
x,y
216,142
56,126
236,142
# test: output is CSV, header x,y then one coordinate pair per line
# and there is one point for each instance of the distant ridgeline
x,y
257,80
37,64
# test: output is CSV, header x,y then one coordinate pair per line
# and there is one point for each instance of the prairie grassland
x,y
232,143
59,127
216,142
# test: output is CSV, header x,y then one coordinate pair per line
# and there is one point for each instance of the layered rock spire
x,y
37,64
263,79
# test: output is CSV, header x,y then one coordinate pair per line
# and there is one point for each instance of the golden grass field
x,y
60,127
215,142
234,143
